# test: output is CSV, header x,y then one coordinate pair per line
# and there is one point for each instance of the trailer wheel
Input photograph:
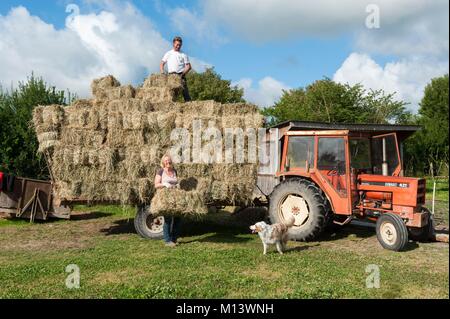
x,y
304,201
391,232
147,225
425,233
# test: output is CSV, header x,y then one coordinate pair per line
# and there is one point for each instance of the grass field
x,y
441,189
218,258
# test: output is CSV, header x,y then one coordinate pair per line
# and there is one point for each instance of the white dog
x,y
273,234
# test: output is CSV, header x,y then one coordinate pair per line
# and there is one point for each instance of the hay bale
x,y
145,190
47,141
48,118
82,118
163,80
128,105
134,120
101,87
81,137
239,109
207,108
121,92
175,201
165,106
159,94
47,146
194,170
48,136
121,138
108,148
149,154
62,189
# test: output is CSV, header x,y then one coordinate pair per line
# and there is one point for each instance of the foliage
x,y
434,118
428,149
209,85
328,101
18,142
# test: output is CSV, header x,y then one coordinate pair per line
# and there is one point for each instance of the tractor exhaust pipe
x,y
384,165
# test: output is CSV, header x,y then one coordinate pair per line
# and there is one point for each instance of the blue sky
x,y
262,46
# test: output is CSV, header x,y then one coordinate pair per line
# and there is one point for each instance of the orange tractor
x,y
335,173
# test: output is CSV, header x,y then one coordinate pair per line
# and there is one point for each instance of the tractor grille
x,y
421,190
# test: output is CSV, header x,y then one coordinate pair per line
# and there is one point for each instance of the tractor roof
x,y
403,131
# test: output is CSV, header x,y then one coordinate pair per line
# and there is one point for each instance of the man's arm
x,y
161,67
187,68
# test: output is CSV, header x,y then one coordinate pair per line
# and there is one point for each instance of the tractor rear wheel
x,y
147,225
304,201
392,232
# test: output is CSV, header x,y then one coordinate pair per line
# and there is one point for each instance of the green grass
x,y
441,200
13,222
217,258
441,189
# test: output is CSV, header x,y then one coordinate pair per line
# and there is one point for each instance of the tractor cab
x,y
357,170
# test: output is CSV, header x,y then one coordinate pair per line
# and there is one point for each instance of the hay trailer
x,y
324,174
29,198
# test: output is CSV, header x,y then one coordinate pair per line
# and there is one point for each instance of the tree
x,y
433,113
18,142
210,86
328,101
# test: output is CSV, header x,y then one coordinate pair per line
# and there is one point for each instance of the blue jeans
x,y
171,228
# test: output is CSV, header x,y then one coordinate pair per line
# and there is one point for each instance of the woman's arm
x,y
158,183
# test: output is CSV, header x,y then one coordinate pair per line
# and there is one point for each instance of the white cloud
x,y
414,32
190,24
267,92
118,40
405,25
423,32
407,77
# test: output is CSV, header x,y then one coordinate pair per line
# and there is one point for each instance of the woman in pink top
x,y
167,177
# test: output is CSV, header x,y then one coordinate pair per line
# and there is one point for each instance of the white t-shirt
x,y
175,60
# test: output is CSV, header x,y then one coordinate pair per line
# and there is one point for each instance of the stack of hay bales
x,y
108,149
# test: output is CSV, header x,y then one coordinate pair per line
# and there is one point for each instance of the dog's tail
x,y
290,222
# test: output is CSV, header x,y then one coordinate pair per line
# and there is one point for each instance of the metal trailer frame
x,y
33,199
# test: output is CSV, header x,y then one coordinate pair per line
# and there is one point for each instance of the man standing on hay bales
x,y
167,177
177,63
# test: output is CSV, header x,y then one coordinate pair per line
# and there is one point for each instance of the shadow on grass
x,y
300,248
89,215
218,233
341,232
123,226
189,228
357,232
411,245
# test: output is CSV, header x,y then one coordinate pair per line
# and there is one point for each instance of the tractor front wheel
x,y
392,232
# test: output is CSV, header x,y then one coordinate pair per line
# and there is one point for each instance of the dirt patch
x,y
53,236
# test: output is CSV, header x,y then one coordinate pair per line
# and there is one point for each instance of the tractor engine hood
x,y
407,191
